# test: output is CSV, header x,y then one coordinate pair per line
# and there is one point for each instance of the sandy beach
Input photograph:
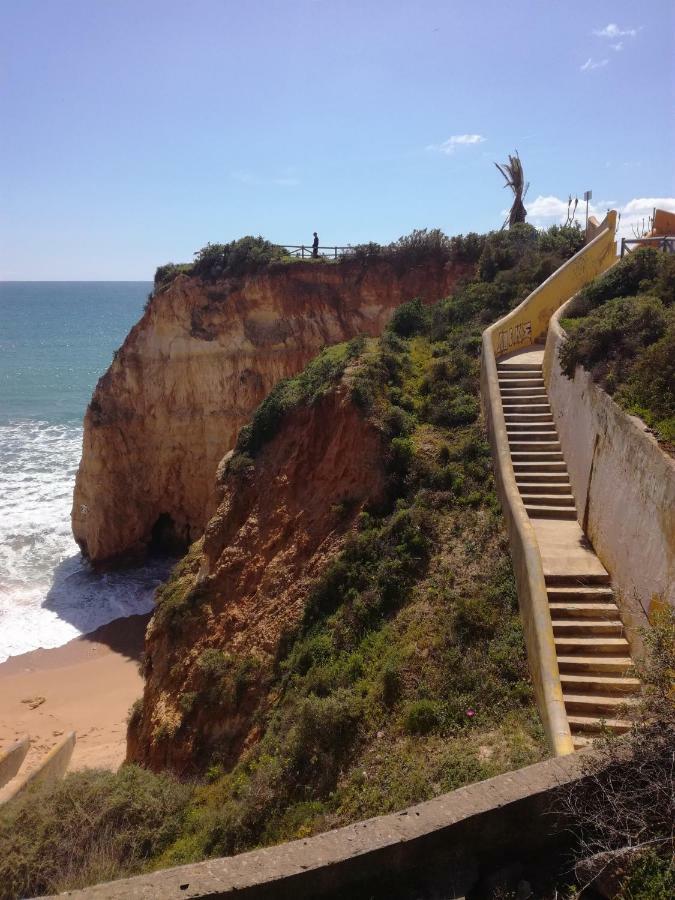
x,y
86,686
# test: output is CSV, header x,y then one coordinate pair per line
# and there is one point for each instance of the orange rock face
x,y
192,370
278,524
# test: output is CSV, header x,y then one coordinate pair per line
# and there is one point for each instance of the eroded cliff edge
x,y
191,371
281,518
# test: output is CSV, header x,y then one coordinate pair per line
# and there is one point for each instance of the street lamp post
x,y
587,197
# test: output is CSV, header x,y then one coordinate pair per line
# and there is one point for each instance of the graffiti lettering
x,y
511,337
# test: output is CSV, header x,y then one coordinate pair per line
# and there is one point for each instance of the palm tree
x,y
513,175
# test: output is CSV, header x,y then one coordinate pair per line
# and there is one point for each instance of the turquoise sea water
x,y
56,340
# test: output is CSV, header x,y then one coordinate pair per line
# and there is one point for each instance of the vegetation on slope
x,y
622,329
407,676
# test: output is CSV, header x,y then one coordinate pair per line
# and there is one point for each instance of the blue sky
x,y
135,131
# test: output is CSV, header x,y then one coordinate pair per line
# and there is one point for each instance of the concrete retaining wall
x,y
51,768
623,483
439,848
11,759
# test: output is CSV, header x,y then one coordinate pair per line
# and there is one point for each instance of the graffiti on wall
x,y
514,336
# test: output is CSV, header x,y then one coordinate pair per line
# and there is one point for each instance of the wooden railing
x,y
665,242
305,251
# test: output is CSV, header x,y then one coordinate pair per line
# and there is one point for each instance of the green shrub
x,y
409,318
92,826
651,877
421,717
213,663
241,257
166,273
306,388
622,329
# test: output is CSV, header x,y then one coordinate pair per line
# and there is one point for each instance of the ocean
x,y
56,340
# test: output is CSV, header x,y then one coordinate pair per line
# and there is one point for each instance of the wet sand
x,y
86,686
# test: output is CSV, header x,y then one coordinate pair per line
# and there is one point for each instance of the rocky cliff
x,y
189,374
222,619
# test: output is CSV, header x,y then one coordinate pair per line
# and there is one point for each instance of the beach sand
x,y
86,686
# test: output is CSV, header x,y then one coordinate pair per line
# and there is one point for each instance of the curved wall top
x,y
528,323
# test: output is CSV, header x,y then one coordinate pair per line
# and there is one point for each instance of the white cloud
x,y
457,140
613,31
551,210
618,47
593,64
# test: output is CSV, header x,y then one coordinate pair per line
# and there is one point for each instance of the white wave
x,y
48,594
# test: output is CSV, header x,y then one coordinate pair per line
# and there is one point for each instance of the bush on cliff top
x,y
622,329
241,257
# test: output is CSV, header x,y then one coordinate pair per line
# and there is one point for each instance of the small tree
x,y
515,179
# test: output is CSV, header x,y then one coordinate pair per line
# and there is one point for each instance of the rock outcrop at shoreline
x,y
222,618
189,374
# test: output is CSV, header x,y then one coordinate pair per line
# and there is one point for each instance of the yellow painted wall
x,y
664,223
527,324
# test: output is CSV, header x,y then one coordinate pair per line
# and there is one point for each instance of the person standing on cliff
x,y
315,246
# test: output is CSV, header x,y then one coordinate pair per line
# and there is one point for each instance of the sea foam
x,y
48,593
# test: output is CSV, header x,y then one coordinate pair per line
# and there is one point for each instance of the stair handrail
x,y
518,329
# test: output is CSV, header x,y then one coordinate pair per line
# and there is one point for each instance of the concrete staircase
x,y
596,669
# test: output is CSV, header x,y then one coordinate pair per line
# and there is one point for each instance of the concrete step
x,y
605,684
544,487
516,406
506,381
518,373
550,512
531,427
580,593
507,366
595,665
599,705
571,610
528,419
550,438
591,646
539,463
540,471
577,581
530,499
595,724
540,444
588,627
526,394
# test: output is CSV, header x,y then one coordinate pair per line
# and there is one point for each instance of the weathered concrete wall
x,y
623,483
51,768
11,759
443,846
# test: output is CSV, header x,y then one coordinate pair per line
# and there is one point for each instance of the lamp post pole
x,y
587,197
